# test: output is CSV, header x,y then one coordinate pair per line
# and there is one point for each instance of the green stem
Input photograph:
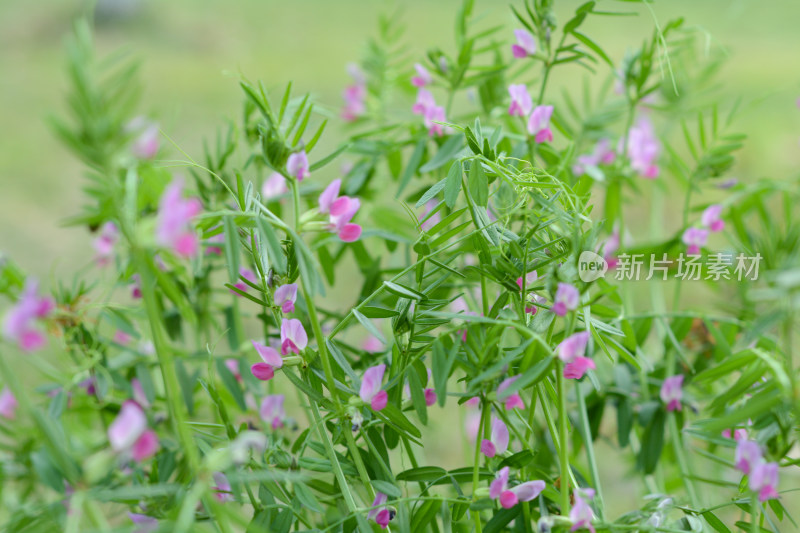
x,y
683,465
587,432
755,510
563,427
476,466
337,468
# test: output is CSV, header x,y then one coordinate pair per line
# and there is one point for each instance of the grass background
x,y
192,52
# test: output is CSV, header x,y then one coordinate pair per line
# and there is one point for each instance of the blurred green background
x,y
193,52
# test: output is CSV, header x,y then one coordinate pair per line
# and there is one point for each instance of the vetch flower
x,y
748,455
247,274
525,492
144,523
286,296
422,78
19,324
355,95
274,186
764,480
129,433
738,434
341,210
222,487
521,104
577,368
512,400
430,205
711,218
694,239
136,286
371,392
293,336
138,394
173,223
672,392
379,512
571,352
104,243
271,360
567,299
271,410
581,512
372,344
433,115
643,149
424,102
539,123
525,45
497,443
297,165
603,154
530,278
8,404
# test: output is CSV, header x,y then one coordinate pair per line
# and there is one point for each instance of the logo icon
x,y
591,266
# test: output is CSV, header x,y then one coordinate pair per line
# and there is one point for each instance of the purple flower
x,y
144,523
297,165
581,512
513,400
748,455
19,324
430,205
433,115
271,410
577,368
286,296
271,360
129,433
525,45
764,480
222,487
498,441
694,239
603,154
424,101
381,514
355,95
525,492
422,78
8,404
372,344
539,123
104,243
293,336
643,149
145,144
521,104
672,392
247,274
370,391
711,218
173,223
567,299
571,351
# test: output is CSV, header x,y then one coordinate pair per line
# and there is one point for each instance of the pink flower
x,y
434,219
297,165
567,299
581,512
433,115
222,487
271,410
512,400
129,433
233,365
286,296
105,242
424,101
577,368
371,392
138,394
764,480
293,336
521,104
422,78
748,455
738,434
355,95
643,148
711,218
247,274
271,360
525,45
173,223
498,441
609,248
144,523
530,279
381,514
525,492
694,239
341,210
274,186
372,344
430,396
121,337
136,286
19,324
539,123
602,154
672,392
8,404
573,346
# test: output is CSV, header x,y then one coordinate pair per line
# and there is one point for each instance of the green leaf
x,y
653,442
374,331
417,394
425,514
307,497
413,165
427,474
378,312
430,193
446,153
399,420
270,240
390,489
452,184
229,380
478,184
402,290
328,158
715,522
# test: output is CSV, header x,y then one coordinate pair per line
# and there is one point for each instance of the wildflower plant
x,y
281,328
